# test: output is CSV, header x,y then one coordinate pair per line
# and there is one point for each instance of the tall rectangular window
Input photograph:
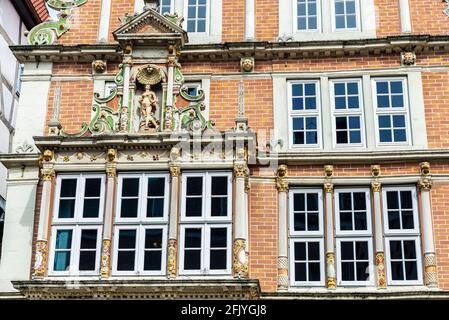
x,y
346,15
304,110
197,16
206,219
307,15
140,233
354,237
306,237
76,225
347,110
391,107
402,236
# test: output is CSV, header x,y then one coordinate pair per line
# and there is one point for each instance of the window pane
x,y
312,202
153,238
339,89
66,209
298,138
91,208
89,239
314,272
297,89
87,260
400,136
218,259
340,103
397,101
300,272
194,186
397,272
63,239
407,220
347,271
312,222
361,250
362,271
382,87
353,88
409,249
340,22
93,187
313,251
384,122
193,238
385,136
218,237
298,123
300,251
299,202
201,26
360,221
345,221
219,186
192,259
219,207
127,239
341,123
395,249
311,138
129,208
130,187
411,270
125,260
300,221
298,104
359,200
347,250
68,188
194,207
152,260
345,201
156,187
383,102
396,87
392,200
394,220
351,21
62,261
355,137
155,208
406,200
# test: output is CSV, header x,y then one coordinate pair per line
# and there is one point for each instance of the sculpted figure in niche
x,y
148,106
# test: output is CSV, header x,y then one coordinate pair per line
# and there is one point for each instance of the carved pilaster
x,y
430,269
331,280
106,259
47,174
425,183
380,269
41,259
282,273
241,170
281,175
328,187
172,258
175,171
376,186
240,261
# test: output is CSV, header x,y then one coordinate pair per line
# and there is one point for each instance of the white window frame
x,y
416,229
79,199
305,191
358,19
206,197
75,250
419,266
295,17
304,113
139,250
186,15
193,84
353,233
292,261
172,7
392,111
142,198
347,113
370,281
205,249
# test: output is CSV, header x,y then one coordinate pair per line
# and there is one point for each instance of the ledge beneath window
x,y
139,289
392,293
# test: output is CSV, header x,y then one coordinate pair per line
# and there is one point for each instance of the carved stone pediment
x,y
151,28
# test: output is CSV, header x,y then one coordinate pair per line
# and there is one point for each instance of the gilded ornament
x,y
328,171
282,171
282,185
99,66
375,170
106,259
380,267
93,158
47,155
172,258
240,261
425,184
376,186
241,170
129,157
47,174
66,159
41,259
328,187
175,171
111,154
247,64
331,282
425,168
408,58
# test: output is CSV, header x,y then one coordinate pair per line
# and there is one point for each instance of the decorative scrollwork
x,y
65,4
446,11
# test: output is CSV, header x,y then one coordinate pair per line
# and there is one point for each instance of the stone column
x,y
406,24
172,250
41,253
240,252
249,19
425,185
282,186
331,280
111,171
172,62
105,15
378,230
125,120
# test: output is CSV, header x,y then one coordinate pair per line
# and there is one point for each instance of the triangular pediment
x,y
150,26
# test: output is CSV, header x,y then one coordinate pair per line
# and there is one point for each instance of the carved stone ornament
x,y
375,170
149,75
376,186
175,171
106,259
380,268
331,281
99,66
328,187
240,261
172,258
430,269
282,171
47,174
425,168
282,185
408,58
111,154
241,170
40,259
247,64
149,105
425,184
282,273
111,171
47,156
328,171
24,147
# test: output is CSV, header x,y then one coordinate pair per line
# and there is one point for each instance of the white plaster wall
x,y
18,232
32,108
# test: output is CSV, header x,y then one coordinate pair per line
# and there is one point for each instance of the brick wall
x,y
233,20
266,20
263,233
388,20
428,17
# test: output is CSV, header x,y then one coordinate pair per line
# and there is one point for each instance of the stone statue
x,y
148,106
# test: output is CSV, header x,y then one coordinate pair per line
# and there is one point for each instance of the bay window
x,y
77,224
306,237
140,233
206,219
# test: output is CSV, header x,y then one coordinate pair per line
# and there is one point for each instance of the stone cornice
x,y
139,289
237,50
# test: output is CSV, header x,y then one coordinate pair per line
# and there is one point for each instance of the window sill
x,y
330,36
